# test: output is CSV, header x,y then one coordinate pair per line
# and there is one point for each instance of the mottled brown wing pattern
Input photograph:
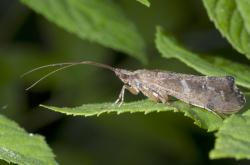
x,y
218,94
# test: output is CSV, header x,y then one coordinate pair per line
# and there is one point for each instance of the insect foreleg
x,y
120,99
121,96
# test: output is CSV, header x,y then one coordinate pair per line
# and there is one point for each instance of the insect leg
x,y
120,99
121,96
159,98
132,90
155,95
164,99
211,110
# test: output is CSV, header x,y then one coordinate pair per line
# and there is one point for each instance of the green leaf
x,y
232,19
211,66
17,146
144,2
101,21
201,117
233,138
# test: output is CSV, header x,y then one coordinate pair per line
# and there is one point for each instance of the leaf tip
x,y
159,30
44,106
145,2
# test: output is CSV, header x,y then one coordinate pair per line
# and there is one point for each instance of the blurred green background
x,y
28,40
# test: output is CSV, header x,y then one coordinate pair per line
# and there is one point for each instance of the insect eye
x,y
124,76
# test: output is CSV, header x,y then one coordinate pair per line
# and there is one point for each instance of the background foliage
x,y
122,34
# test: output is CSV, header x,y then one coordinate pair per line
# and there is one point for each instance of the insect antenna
x,y
64,66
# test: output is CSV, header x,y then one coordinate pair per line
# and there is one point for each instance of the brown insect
x,y
218,94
